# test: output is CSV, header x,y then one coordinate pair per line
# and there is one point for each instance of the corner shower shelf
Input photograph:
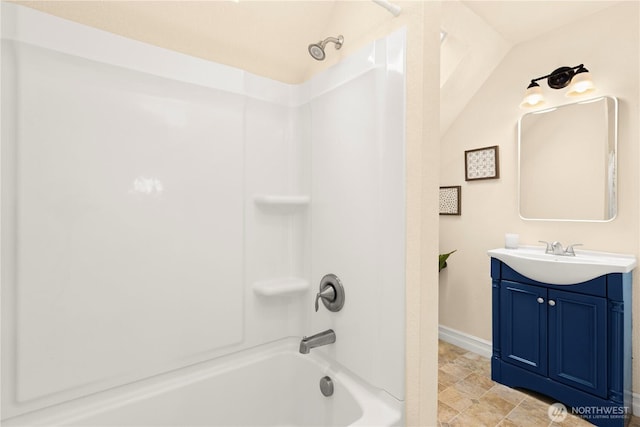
x,y
281,286
280,200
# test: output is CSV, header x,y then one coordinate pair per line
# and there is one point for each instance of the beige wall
x,y
608,44
157,25
423,142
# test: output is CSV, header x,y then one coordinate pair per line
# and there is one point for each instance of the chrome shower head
x,y
316,50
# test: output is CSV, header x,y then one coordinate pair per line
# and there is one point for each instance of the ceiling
x,y
518,21
481,33
270,38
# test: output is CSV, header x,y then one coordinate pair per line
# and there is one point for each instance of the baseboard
x,y
635,405
469,342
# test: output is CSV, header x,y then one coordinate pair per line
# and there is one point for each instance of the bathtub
x,y
271,385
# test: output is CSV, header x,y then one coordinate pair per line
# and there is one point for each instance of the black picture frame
x,y
451,200
482,163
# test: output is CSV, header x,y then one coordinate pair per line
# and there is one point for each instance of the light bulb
x,y
532,97
581,84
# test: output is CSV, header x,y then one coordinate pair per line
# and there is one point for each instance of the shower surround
x,y
162,214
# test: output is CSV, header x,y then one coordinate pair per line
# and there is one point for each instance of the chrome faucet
x,y
555,248
317,340
569,251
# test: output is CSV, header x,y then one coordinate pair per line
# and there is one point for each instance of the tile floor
x,y
467,397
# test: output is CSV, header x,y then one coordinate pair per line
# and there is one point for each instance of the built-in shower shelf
x,y
281,200
280,286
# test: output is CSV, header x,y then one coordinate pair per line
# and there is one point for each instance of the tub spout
x,y
317,340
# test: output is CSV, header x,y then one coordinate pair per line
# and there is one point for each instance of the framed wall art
x,y
450,200
481,163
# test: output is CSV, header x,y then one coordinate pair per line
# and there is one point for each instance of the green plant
x,y
442,260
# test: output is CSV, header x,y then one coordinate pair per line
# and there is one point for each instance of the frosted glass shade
x,y
581,84
532,97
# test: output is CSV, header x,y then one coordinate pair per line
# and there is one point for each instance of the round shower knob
x,y
331,293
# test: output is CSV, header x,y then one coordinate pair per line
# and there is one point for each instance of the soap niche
x,y
283,221
277,203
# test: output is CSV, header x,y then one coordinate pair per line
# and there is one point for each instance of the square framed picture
x,y
481,163
450,200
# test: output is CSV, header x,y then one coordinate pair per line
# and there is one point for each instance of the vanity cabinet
x,y
570,342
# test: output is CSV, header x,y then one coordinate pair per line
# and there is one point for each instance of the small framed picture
x,y
481,163
450,200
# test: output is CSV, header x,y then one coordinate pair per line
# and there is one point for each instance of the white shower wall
x,y
358,213
159,210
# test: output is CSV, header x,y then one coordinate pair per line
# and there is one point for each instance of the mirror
x,y
567,161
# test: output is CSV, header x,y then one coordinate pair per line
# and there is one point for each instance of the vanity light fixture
x,y
578,76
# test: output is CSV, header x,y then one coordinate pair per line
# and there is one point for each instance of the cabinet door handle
x,y
540,300
552,302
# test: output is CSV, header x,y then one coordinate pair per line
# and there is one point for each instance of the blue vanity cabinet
x,y
570,342
578,341
523,318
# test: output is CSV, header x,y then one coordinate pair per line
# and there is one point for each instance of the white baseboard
x,y
466,341
483,348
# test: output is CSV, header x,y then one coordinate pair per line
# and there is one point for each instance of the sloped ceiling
x,y
480,33
270,38
469,53
519,21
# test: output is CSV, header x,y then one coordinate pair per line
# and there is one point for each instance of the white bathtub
x,y
272,385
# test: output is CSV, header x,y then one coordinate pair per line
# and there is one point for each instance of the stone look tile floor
x,y
467,396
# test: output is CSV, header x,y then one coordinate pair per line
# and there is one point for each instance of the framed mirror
x,y
567,162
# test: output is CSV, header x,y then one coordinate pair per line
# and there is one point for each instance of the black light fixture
x,y
578,76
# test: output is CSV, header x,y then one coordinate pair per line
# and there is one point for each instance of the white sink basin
x,y
532,262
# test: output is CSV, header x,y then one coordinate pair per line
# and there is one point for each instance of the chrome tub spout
x,y
317,340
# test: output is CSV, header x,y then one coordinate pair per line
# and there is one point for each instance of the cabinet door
x,y
577,341
523,326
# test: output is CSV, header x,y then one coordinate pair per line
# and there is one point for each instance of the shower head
x,y
316,50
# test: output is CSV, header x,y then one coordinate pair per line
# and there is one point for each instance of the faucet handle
x,y
328,294
331,292
548,249
570,251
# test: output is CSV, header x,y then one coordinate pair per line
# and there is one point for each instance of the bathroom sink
x,y
534,263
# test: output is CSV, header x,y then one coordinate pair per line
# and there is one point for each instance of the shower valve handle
x,y
331,292
328,293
